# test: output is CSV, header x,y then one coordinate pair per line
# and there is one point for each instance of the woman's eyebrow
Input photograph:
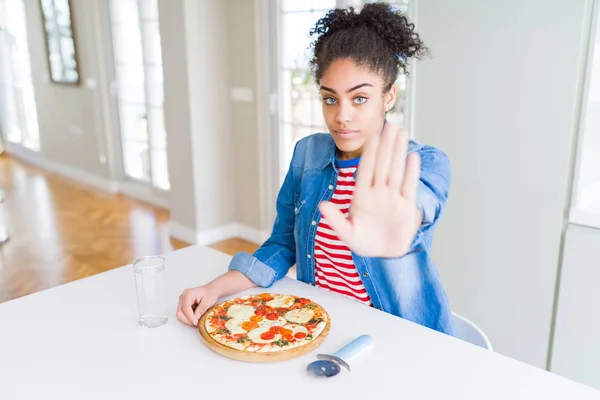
x,y
349,90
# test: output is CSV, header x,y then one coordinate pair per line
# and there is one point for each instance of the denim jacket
x,y
407,286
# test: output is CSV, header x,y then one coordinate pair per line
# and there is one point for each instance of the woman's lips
x,y
345,133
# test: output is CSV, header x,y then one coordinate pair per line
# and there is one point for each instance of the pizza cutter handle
x,y
353,348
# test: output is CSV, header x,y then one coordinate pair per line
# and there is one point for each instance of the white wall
x,y
500,97
72,118
576,351
242,56
213,143
588,185
182,200
198,118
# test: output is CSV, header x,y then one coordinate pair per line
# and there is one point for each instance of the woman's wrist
x,y
229,283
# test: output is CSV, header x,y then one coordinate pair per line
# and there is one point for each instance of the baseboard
x,y
130,189
181,232
142,193
72,173
251,234
176,230
210,236
82,177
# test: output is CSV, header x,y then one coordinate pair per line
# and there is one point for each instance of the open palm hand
x,y
383,218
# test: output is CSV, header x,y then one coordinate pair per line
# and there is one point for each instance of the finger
x,y
337,222
202,308
384,154
411,178
179,303
179,309
186,307
366,167
398,162
181,317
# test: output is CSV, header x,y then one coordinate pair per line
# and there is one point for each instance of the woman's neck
x,y
342,155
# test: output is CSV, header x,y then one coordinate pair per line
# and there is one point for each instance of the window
x,y
139,87
586,199
60,43
300,112
18,114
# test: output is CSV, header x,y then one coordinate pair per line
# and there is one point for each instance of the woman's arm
x,y
275,257
432,190
395,199
269,263
194,302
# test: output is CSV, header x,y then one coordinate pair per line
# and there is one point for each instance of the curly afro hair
x,y
378,37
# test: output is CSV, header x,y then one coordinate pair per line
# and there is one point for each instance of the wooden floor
x,y
61,231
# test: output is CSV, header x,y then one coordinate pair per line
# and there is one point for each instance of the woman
x,y
362,232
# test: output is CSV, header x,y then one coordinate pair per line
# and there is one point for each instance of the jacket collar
x,y
331,153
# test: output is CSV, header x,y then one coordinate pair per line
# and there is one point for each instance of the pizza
x,y
266,322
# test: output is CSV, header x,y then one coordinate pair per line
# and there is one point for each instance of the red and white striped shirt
x,y
334,267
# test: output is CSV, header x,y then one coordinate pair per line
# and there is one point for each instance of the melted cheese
x,y
241,312
279,322
300,316
296,328
235,326
254,335
282,302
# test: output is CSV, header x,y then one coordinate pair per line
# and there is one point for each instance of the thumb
x,y
337,221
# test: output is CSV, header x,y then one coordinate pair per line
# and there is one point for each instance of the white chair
x,y
469,332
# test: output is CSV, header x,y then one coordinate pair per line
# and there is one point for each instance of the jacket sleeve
x,y
432,192
275,257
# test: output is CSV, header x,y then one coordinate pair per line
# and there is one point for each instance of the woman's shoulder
x,y
322,140
427,151
435,163
314,150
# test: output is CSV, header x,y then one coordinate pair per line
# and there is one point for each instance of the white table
x,y
82,341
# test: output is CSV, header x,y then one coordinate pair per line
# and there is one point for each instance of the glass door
x,y
18,114
139,90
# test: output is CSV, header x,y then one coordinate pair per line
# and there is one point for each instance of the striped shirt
x,y
334,266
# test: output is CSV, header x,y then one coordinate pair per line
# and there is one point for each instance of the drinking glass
x,y
150,286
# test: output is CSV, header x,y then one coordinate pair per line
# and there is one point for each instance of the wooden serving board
x,y
260,357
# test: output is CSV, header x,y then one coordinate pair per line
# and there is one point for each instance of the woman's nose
x,y
344,114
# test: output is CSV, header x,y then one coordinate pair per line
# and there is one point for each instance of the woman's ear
x,y
389,98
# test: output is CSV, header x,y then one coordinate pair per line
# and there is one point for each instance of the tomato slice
x,y
272,316
276,329
303,301
249,325
267,335
287,338
256,318
300,335
259,312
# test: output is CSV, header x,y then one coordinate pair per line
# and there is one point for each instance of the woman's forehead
x,y
344,74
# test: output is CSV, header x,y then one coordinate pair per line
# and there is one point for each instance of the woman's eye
x,y
360,100
329,100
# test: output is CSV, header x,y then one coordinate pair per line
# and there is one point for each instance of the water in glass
x,y
150,284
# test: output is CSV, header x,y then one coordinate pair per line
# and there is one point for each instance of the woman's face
x,y
354,105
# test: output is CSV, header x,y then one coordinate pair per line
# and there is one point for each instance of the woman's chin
x,y
348,147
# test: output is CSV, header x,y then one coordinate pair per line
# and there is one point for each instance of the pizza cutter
x,y
330,365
